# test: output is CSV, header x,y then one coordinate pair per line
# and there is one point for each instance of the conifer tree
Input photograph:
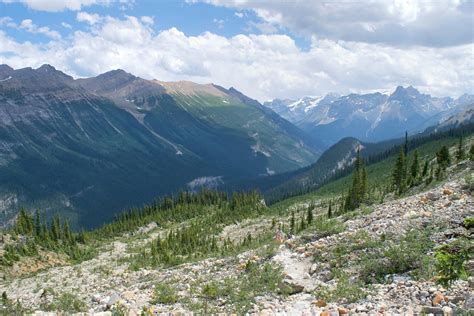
x,y
67,232
405,149
358,190
292,222
430,177
460,155
425,169
56,229
330,209
37,224
309,216
415,167
443,158
471,152
399,173
302,224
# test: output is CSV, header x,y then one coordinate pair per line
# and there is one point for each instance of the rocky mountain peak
x,y
49,71
402,93
5,70
108,82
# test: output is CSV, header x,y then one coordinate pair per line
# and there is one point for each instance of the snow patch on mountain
x,y
370,117
210,182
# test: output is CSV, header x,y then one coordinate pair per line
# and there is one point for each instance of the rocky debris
x,y
147,228
105,282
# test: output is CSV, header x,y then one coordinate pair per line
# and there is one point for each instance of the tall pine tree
x,y
405,149
460,155
399,174
358,191
415,168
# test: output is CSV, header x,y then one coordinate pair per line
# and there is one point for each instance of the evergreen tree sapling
x,y
424,173
358,191
414,169
460,155
309,216
399,173
405,148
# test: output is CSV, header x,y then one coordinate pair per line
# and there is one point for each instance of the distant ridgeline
x,y
325,169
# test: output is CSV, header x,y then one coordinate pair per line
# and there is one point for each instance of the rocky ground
x,y
322,272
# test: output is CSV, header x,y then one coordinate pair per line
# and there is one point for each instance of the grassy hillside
x,y
213,252
379,173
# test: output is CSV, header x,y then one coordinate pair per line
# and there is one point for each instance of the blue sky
x,y
266,49
191,18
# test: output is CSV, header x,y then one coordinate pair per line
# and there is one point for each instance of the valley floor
x,y
373,260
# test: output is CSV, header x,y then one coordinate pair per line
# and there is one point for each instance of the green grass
x,y
164,294
409,254
347,291
375,258
379,175
237,293
65,302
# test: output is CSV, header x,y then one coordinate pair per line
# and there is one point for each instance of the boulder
x,y
448,311
438,299
320,303
433,196
313,268
448,191
436,311
342,310
469,302
114,298
290,287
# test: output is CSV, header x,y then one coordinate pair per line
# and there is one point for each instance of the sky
x,y
266,49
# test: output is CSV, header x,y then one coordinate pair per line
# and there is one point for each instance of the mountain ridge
x,y
123,135
369,117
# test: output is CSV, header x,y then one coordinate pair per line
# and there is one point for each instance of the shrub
x,y
450,259
469,222
164,294
409,254
346,291
68,302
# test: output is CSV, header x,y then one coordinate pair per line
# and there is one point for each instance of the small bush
x,y
346,290
450,259
68,302
468,222
210,291
407,255
164,294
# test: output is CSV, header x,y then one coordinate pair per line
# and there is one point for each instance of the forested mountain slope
x,y
88,148
211,252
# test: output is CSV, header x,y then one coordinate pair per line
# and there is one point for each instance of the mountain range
x,y
369,117
90,147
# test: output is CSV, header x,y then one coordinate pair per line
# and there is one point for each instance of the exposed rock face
x,y
121,135
374,116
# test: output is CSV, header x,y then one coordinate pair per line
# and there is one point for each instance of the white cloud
x,y
239,14
66,25
148,20
262,66
394,22
61,5
29,26
219,23
90,19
